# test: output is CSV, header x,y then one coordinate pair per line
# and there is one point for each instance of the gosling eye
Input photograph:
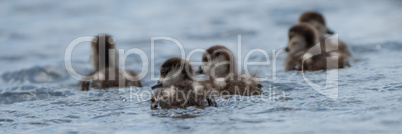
x,y
291,35
205,59
164,72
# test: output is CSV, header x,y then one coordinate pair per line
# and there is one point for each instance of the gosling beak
x,y
154,106
329,31
286,49
199,71
158,84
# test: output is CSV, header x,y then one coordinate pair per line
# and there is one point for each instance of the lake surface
x,y
38,95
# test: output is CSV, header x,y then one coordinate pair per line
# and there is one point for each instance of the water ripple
x,y
36,75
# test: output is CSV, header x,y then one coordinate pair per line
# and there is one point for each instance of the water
x,y
37,95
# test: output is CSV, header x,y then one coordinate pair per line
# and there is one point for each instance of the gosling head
x,y
174,70
317,20
217,61
103,54
301,36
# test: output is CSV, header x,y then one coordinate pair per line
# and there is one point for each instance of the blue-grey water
x,y
38,95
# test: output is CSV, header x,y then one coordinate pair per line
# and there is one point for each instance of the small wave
x,y
72,117
251,120
10,97
190,112
374,108
393,87
396,46
36,75
107,115
284,86
6,120
37,123
60,121
278,109
353,101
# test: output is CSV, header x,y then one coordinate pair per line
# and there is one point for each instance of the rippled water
x,y
37,95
